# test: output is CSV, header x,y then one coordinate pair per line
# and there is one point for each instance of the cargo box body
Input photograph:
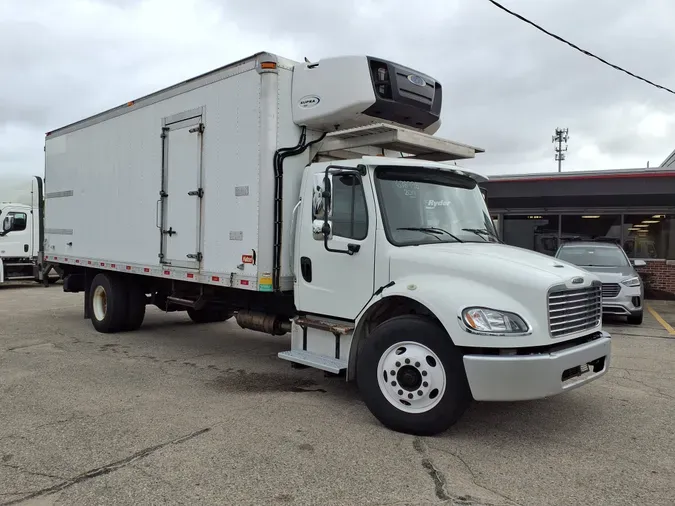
x,y
180,183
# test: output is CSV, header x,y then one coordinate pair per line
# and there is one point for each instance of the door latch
x,y
199,192
199,128
195,256
169,232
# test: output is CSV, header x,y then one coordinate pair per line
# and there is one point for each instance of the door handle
x,y
306,269
291,239
157,223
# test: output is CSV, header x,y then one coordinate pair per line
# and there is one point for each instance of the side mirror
x,y
639,263
321,229
322,209
8,224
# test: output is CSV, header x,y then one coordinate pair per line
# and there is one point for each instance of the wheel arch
x,y
380,311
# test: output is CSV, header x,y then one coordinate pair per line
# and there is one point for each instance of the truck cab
x,y
428,308
18,241
21,232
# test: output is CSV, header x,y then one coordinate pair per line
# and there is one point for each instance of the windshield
x,y
426,205
593,256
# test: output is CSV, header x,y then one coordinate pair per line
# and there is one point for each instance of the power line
x,y
587,53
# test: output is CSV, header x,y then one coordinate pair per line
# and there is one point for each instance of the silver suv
x,y
622,288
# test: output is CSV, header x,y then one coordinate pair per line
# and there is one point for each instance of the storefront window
x,y
649,236
495,222
533,232
591,227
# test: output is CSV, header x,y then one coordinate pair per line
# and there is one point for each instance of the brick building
x,y
635,208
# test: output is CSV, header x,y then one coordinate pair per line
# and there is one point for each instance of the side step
x,y
333,328
334,365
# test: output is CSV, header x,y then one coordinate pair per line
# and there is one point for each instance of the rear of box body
x,y
104,176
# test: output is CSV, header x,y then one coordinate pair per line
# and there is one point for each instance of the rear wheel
x,y
136,302
411,376
108,303
209,314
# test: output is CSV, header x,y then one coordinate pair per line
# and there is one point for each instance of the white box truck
x,y
312,199
21,236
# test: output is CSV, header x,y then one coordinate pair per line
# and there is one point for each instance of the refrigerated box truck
x,y
313,199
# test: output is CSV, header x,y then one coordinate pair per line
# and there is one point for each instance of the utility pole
x,y
561,137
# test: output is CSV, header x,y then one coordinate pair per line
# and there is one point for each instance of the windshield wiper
x,y
431,230
482,232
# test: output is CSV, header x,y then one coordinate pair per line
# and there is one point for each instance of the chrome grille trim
x,y
573,310
610,290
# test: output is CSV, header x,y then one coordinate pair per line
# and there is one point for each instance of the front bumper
x,y
526,377
627,302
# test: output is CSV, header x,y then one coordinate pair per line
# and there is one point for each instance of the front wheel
x,y
412,377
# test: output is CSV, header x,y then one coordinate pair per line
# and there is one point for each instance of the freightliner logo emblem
x,y
417,80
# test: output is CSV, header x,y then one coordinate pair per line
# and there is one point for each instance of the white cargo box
x,y
104,176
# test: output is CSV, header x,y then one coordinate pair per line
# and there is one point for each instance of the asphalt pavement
x,y
178,413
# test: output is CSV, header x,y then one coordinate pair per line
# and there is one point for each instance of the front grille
x,y
571,311
610,290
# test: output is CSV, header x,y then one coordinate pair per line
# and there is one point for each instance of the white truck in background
x,y
21,235
313,199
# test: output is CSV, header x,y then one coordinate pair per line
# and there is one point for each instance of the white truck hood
x,y
489,263
453,276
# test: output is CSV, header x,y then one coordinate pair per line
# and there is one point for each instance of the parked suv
x,y
622,288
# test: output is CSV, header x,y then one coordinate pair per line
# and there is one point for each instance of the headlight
x,y
491,321
634,281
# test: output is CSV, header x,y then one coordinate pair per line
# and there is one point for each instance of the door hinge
x,y
199,128
169,232
196,256
163,194
199,192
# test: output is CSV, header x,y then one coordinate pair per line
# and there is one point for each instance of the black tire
x,y
636,319
456,397
114,313
209,314
136,301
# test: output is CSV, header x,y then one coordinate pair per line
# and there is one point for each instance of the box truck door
x,y
182,193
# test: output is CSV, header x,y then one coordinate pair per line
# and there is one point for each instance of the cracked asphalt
x,y
177,413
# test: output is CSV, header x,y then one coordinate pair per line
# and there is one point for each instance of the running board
x,y
334,365
333,328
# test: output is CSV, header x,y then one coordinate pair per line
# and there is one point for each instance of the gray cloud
x,y
507,86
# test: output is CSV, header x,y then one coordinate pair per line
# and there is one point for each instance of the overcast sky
x,y
506,85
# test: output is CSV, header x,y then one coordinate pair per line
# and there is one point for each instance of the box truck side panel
x,y
104,180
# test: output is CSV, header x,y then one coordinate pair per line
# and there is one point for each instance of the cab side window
x,y
20,220
350,213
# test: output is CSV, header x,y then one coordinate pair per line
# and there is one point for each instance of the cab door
x,y
17,242
334,272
